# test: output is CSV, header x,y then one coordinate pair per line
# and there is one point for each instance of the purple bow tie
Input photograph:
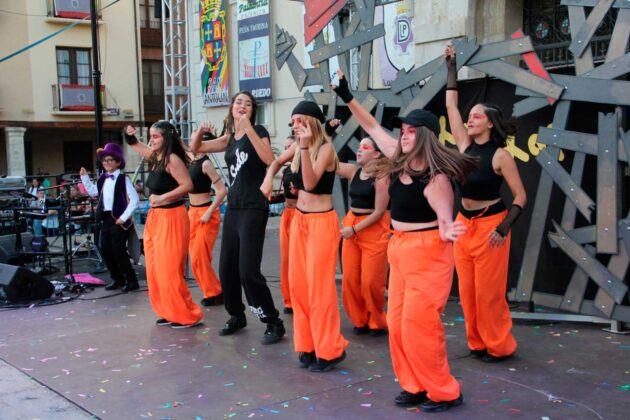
x,y
110,176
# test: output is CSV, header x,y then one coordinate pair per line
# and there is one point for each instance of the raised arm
x,y
440,195
199,145
87,183
452,101
313,171
366,120
177,168
267,186
219,189
129,133
261,145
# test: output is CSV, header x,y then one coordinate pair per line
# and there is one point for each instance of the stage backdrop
x,y
214,57
254,65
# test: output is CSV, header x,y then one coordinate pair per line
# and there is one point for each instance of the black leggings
x,y
241,254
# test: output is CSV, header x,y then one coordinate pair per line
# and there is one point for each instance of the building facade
x,y
47,121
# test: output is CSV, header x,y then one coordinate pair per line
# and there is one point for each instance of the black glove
x,y
506,224
343,90
451,77
130,140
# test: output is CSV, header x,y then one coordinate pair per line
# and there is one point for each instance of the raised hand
x,y
343,90
83,171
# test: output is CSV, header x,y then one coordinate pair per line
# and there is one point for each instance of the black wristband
x,y
455,88
343,90
130,140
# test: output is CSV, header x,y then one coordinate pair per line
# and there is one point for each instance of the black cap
x,y
309,108
419,118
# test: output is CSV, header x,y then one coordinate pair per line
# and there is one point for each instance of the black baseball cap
x,y
419,118
309,108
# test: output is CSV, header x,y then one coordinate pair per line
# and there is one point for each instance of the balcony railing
x,y
70,9
75,97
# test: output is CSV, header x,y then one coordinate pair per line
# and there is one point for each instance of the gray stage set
x,y
100,355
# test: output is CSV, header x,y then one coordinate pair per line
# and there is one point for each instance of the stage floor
x,y
102,356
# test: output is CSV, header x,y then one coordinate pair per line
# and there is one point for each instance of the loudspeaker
x,y
20,283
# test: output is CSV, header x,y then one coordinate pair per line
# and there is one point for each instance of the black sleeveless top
x,y
247,172
408,203
324,186
161,182
288,178
484,183
362,192
201,182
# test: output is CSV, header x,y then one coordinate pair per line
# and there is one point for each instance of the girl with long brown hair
x,y
166,233
420,252
313,243
247,154
482,254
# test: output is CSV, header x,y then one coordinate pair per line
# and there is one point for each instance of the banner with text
x,y
214,57
254,57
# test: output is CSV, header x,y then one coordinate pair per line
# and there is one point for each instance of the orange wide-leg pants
x,y
312,262
202,239
166,236
420,279
364,262
285,235
482,273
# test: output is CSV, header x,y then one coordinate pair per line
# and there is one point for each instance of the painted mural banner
x,y
254,58
214,56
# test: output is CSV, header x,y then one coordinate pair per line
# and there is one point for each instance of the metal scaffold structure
x,y
176,89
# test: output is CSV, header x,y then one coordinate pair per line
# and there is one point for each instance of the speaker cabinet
x,y
20,284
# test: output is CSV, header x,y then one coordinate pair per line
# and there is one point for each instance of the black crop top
x,y
324,186
484,183
288,179
201,182
160,182
362,192
408,203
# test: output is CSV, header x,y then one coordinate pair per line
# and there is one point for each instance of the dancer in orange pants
x,y
313,243
365,235
290,201
420,256
166,233
205,219
482,255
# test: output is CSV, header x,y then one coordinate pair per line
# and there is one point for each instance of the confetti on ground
x,y
624,387
366,405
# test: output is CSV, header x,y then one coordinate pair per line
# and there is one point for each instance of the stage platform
x,y
100,355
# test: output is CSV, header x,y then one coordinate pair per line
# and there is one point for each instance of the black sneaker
x,y
234,324
287,310
115,285
407,399
323,365
179,326
378,332
361,330
306,359
435,407
213,300
488,358
163,322
478,354
130,287
274,332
